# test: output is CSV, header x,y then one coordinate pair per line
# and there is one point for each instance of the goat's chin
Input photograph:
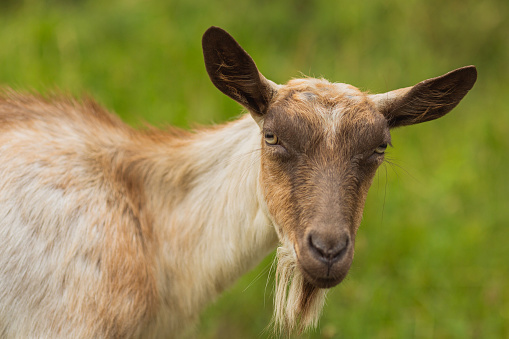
x,y
319,280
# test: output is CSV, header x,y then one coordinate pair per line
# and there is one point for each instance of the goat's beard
x,y
297,304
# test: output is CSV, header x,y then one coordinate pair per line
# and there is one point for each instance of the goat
x,y
110,232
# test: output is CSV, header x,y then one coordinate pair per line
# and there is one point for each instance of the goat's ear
x,y
234,72
428,100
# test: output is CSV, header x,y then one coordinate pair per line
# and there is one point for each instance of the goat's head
x,y
321,144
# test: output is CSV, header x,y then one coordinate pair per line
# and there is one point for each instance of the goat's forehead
x,y
319,90
311,113
326,103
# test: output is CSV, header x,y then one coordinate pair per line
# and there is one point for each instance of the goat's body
x,y
108,232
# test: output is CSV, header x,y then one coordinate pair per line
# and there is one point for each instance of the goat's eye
x,y
381,149
270,138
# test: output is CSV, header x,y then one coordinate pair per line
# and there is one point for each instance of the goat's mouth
x,y
324,276
325,272
322,282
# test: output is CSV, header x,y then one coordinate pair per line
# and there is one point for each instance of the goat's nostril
x,y
329,248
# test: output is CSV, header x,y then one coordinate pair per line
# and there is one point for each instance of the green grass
x,y
432,254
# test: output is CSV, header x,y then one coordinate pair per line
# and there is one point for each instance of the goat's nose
x,y
329,248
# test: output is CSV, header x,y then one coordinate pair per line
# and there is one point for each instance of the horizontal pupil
x,y
381,149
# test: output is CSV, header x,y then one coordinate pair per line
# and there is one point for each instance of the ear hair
x,y
428,100
234,72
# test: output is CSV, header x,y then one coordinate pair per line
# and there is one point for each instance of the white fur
x,y
49,228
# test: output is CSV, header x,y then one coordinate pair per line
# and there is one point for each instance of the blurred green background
x,y
432,253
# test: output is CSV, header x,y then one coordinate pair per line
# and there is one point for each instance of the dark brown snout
x,y
326,256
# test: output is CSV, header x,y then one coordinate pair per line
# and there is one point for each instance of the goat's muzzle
x,y
325,257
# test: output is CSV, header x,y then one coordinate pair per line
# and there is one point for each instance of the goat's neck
x,y
212,223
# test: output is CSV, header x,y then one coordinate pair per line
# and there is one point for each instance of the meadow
x,y
432,253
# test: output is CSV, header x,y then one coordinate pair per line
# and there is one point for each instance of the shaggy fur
x,y
297,304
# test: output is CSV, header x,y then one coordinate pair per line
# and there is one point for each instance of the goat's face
x,y
322,144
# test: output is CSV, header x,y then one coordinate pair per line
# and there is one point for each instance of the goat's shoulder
x,y
62,182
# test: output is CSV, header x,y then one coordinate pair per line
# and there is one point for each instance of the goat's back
x,y
74,253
